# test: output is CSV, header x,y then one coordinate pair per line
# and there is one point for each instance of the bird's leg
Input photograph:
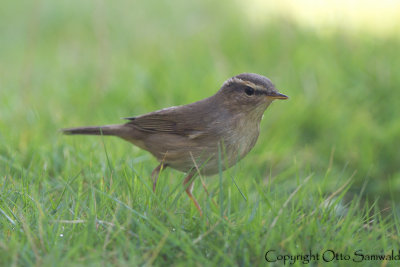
x,y
189,189
155,173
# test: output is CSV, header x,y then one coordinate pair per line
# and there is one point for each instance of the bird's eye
x,y
249,90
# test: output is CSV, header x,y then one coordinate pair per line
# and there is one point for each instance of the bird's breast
x,y
242,137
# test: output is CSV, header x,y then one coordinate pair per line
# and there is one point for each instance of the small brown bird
x,y
199,137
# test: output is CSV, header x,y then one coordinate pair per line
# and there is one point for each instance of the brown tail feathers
x,y
117,130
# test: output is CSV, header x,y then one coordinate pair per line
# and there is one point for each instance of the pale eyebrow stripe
x,y
249,84
259,90
238,80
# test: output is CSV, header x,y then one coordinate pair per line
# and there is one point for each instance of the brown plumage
x,y
183,137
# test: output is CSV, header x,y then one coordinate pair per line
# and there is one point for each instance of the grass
x,y
323,175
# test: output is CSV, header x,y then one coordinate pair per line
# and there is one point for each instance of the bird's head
x,y
249,91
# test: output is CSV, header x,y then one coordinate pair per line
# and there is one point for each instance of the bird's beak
x,y
277,95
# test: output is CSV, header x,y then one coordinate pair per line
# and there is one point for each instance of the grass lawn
x,y
323,178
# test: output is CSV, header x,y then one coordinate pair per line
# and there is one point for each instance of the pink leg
x,y
189,191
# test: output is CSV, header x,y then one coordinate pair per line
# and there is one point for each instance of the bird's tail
x,y
116,129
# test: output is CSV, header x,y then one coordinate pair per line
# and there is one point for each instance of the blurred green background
x,y
74,63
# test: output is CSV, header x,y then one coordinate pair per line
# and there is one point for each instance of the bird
x,y
202,137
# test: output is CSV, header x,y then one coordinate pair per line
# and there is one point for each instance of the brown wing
x,y
194,120
166,123
154,123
